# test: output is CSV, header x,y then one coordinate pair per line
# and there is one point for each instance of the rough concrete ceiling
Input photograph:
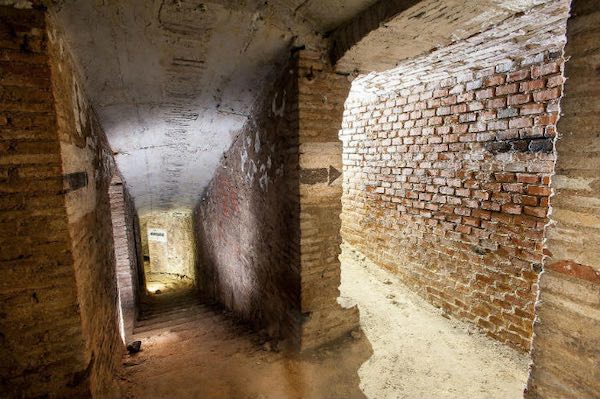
x,y
428,25
173,80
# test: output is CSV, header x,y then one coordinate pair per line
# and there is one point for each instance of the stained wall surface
x,y
59,300
566,344
247,222
447,165
168,240
88,165
268,226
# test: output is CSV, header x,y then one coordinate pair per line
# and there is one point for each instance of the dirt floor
x,y
408,350
418,353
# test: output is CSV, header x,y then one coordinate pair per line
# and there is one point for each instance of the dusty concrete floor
x,y
408,350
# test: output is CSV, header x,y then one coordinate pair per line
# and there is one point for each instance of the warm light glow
x,y
153,286
121,320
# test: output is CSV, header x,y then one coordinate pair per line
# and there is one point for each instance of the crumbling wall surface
x,y
41,342
247,221
566,343
126,258
88,166
447,165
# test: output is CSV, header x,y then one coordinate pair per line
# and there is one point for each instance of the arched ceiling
x,y
409,28
172,81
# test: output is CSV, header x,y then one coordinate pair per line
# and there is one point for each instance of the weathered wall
x,y
172,256
566,344
393,31
247,222
321,96
88,164
126,257
268,226
446,178
58,331
41,341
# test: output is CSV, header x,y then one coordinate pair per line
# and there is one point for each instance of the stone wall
x,y
268,226
566,344
447,165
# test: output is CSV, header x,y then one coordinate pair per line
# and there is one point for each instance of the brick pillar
x,y
58,295
566,342
321,97
42,347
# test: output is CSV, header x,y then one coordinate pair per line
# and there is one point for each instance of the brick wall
x,y
321,96
127,263
58,324
268,226
247,222
566,344
41,342
447,165
88,165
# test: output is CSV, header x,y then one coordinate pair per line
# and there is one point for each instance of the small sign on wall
x,y
158,235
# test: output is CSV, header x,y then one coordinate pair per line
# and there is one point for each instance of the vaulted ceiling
x,y
172,81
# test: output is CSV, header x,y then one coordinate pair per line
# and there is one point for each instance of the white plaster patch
x,y
252,169
243,159
279,111
79,107
264,181
257,143
570,183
